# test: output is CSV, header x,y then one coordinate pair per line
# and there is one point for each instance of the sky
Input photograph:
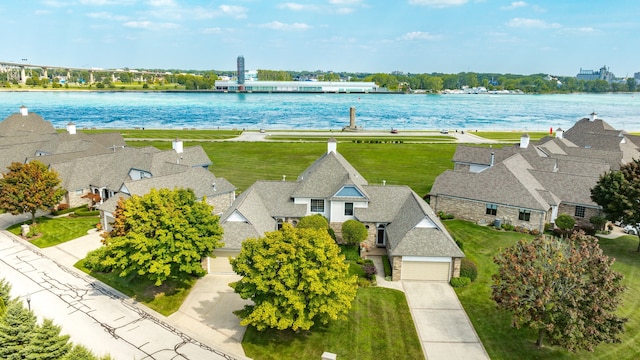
x,y
556,37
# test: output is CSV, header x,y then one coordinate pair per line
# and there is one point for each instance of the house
x,y
102,164
399,222
529,185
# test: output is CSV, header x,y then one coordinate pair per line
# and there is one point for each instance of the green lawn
x,y
169,134
510,136
365,139
243,163
58,230
502,341
165,299
379,326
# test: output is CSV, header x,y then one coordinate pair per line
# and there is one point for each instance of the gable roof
x,y
326,176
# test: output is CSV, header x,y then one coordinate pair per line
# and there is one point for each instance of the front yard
x,y
54,231
494,327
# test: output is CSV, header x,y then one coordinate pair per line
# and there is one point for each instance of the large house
x,y
400,223
530,184
102,164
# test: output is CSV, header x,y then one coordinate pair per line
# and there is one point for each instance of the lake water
x,y
323,111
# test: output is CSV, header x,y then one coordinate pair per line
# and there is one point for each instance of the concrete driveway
x,y
442,324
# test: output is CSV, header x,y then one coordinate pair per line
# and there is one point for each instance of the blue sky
x,y
417,36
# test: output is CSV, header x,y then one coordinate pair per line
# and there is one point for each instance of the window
x,y
492,209
348,209
580,211
524,215
79,192
317,205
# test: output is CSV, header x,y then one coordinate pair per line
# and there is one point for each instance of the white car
x,y
630,229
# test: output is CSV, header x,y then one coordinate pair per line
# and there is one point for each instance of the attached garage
x,y
425,268
220,263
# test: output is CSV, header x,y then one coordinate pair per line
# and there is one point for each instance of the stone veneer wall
x,y
580,221
476,211
74,200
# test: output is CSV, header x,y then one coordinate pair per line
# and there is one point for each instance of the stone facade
x,y
221,202
582,221
476,211
74,199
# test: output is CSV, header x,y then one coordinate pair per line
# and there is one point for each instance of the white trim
x,y
426,258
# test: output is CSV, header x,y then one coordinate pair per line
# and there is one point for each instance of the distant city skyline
x,y
411,36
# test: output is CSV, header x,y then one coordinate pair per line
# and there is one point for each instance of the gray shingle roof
x,y
327,175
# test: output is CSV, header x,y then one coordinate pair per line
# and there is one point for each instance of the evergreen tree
x,y
47,343
16,329
79,352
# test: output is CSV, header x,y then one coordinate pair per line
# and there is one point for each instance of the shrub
x,y
85,212
62,207
610,227
468,269
442,215
369,270
534,232
362,282
331,233
387,265
353,232
548,227
507,227
565,222
93,260
598,222
458,282
67,209
350,252
316,221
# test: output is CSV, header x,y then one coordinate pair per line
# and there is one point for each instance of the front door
x,y
380,237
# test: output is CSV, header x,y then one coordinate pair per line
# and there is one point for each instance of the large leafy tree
x,y
162,234
562,288
618,192
295,278
27,188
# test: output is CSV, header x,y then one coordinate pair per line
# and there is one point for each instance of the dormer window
x,y
349,191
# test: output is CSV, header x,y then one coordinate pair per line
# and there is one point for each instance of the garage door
x,y
220,263
424,270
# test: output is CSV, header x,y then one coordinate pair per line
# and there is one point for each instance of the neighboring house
x,y
102,164
399,222
529,185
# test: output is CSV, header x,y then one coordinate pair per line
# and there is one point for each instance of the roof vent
x,y
559,133
284,177
24,111
214,187
493,158
592,116
384,182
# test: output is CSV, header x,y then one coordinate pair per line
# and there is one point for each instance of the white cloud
x,y
277,25
106,16
215,30
515,5
345,2
238,12
419,35
106,2
344,10
150,25
297,7
438,3
532,23
162,3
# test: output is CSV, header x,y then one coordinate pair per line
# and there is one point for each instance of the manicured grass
x,y
165,299
58,230
502,341
379,326
510,136
169,134
365,139
242,163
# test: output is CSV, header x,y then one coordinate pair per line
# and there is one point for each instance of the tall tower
x,y
240,70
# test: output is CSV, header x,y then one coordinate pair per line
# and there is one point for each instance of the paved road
x,y
93,314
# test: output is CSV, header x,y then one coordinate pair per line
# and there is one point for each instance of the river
x,y
322,111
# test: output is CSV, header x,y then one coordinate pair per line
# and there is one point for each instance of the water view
x,y
323,111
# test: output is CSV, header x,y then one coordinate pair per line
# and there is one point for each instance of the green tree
x,y
631,84
353,232
79,352
162,234
565,222
618,193
29,187
315,221
16,329
295,278
563,289
46,342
